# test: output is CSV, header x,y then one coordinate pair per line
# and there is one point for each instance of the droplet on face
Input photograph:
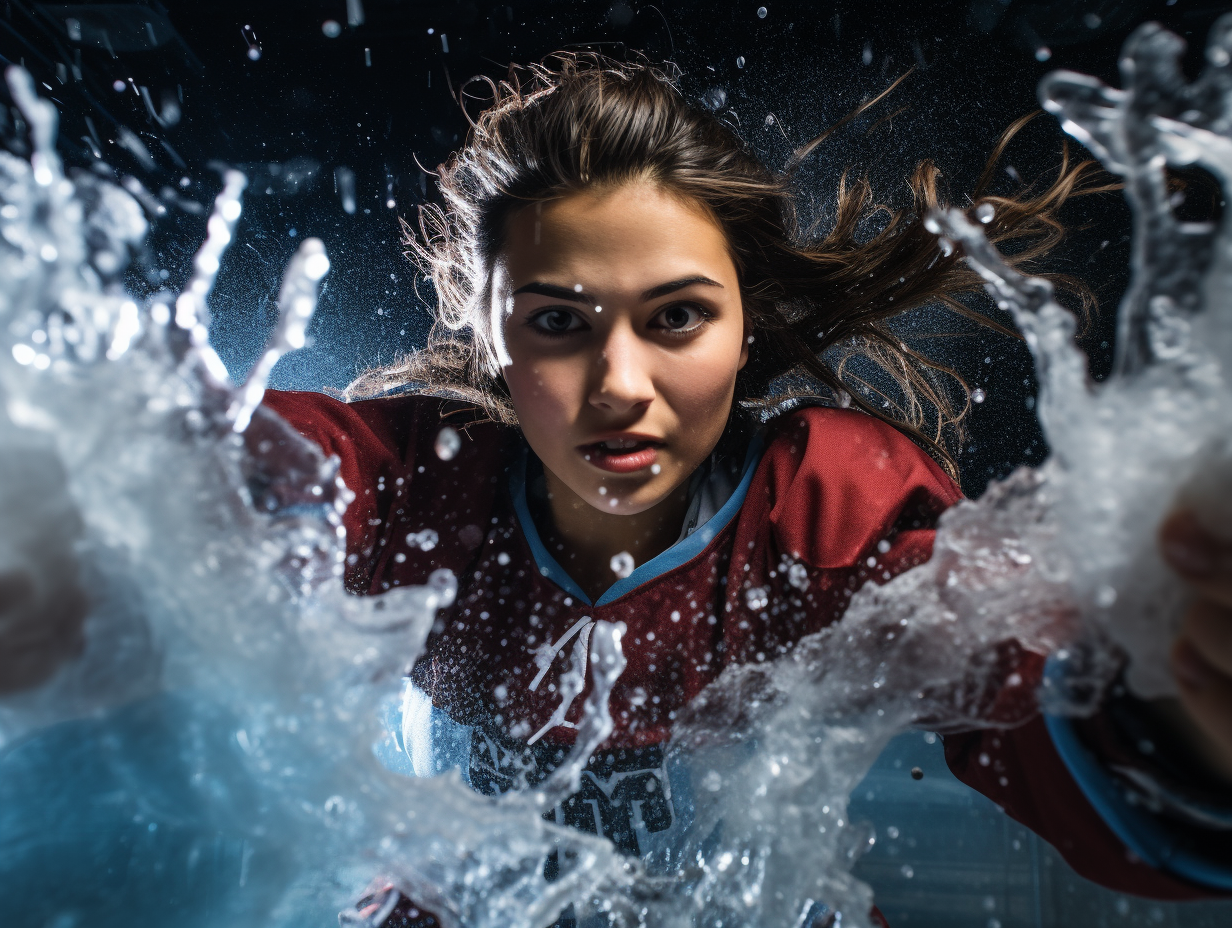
x,y
448,443
622,564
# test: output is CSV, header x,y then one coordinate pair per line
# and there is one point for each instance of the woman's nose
x,y
621,380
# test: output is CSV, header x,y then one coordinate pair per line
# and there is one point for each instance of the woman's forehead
x,y
621,234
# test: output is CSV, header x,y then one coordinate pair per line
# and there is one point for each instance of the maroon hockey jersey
x,y
827,500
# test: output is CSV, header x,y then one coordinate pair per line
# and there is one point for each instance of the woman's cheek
x,y
704,396
541,395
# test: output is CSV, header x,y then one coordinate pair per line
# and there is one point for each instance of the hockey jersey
x,y
825,501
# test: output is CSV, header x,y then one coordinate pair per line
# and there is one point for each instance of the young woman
x,y
647,366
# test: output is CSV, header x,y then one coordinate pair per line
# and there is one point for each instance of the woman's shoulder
x,y
382,426
848,446
834,481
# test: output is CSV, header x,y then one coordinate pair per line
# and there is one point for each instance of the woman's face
x,y
620,328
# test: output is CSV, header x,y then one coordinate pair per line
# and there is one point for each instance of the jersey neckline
x,y
680,553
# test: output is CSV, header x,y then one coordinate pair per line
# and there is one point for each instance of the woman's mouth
x,y
621,455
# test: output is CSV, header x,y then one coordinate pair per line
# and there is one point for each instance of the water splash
x,y
120,428
1063,559
220,660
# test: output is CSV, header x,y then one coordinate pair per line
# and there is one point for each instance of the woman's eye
x,y
682,317
556,322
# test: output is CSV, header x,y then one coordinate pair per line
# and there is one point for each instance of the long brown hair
x,y
817,302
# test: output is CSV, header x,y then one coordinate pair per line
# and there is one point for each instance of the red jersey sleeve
x,y
373,441
843,482
855,500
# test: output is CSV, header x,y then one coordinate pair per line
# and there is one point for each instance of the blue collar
x,y
681,552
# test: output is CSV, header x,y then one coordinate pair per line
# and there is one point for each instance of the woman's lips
x,y
623,460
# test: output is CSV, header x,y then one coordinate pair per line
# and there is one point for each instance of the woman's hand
x,y
42,604
40,625
1202,654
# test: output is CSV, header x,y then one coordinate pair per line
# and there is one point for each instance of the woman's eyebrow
x,y
556,292
673,285
574,295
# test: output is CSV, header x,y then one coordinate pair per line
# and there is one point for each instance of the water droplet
x,y
1043,53
761,12
892,832
119,86
917,773
978,395
714,99
424,540
757,598
740,61
985,213
907,870
798,577
316,266
448,443
331,29
622,564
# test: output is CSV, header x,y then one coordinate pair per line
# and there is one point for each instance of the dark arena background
x,y
340,110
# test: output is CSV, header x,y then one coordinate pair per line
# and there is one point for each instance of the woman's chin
x,y
629,496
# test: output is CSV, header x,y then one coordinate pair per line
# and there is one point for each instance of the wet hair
x,y
820,302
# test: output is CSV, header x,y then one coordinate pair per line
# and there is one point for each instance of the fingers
x,y
1207,629
16,589
1201,558
1206,695
38,631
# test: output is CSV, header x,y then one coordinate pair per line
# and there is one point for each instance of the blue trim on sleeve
x,y
1143,833
680,553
